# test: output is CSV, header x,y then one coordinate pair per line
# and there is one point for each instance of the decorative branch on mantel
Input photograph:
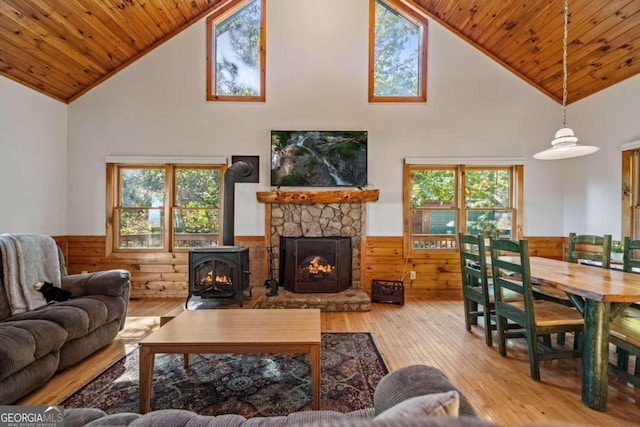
x,y
320,196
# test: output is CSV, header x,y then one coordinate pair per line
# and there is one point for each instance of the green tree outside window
x,y
397,53
433,206
143,207
237,52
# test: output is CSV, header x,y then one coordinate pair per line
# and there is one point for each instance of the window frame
x,y
455,202
113,177
630,201
220,15
415,18
516,203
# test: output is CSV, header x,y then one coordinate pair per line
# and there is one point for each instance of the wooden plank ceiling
x,y
63,48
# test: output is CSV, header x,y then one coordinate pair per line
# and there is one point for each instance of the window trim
x,y
517,203
630,190
222,14
113,195
417,19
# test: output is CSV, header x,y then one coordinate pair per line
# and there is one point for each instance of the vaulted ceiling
x,y
63,48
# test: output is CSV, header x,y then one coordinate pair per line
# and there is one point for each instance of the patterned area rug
x,y
245,384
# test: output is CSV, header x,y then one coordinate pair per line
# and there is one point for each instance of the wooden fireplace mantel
x,y
318,196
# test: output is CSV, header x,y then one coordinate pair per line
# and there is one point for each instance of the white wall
x,y
33,166
608,119
316,79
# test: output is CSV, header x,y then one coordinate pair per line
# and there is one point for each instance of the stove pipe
x,y
238,172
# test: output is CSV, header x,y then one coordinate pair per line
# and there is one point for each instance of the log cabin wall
x,y
440,271
165,275
153,274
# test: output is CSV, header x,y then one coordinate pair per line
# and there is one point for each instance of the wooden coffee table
x,y
234,331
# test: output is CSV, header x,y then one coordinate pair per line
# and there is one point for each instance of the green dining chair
x,y
539,318
475,283
631,260
585,247
625,336
625,329
590,248
581,247
631,255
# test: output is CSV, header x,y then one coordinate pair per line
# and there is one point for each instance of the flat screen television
x,y
318,158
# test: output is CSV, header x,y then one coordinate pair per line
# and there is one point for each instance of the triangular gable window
x,y
397,53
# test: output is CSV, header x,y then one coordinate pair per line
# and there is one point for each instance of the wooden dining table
x,y
600,295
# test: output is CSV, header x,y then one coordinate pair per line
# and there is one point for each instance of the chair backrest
x,y
511,272
631,255
590,247
473,260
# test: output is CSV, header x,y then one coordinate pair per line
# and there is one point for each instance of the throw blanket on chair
x,y
26,260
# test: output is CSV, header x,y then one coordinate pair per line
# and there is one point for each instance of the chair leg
x,y
560,338
577,340
467,314
534,360
473,306
501,326
622,359
487,325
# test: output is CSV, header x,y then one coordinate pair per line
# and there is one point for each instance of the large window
x,y
163,207
236,53
441,201
397,53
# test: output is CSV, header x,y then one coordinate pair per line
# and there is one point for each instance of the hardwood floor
x,y
428,330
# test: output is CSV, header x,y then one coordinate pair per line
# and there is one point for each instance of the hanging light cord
x,y
564,63
565,144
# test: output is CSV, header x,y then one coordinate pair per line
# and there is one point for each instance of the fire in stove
x,y
317,266
218,272
219,279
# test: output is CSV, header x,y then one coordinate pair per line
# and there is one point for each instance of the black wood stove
x,y
222,271
218,272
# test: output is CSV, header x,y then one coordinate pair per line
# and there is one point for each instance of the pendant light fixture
x,y
565,144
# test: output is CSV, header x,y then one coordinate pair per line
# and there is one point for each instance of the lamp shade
x,y
565,146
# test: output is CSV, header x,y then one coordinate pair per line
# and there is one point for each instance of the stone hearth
x,y
352,299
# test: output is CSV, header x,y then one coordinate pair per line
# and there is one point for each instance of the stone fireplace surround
x,y
328,213
321,220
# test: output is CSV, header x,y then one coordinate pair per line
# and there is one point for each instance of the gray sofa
x,y
38,343
416,395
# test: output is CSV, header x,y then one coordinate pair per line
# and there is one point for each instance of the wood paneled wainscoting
x,y
165,275
436,270
153,274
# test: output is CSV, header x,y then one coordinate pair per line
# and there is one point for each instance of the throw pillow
x,y
429,405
